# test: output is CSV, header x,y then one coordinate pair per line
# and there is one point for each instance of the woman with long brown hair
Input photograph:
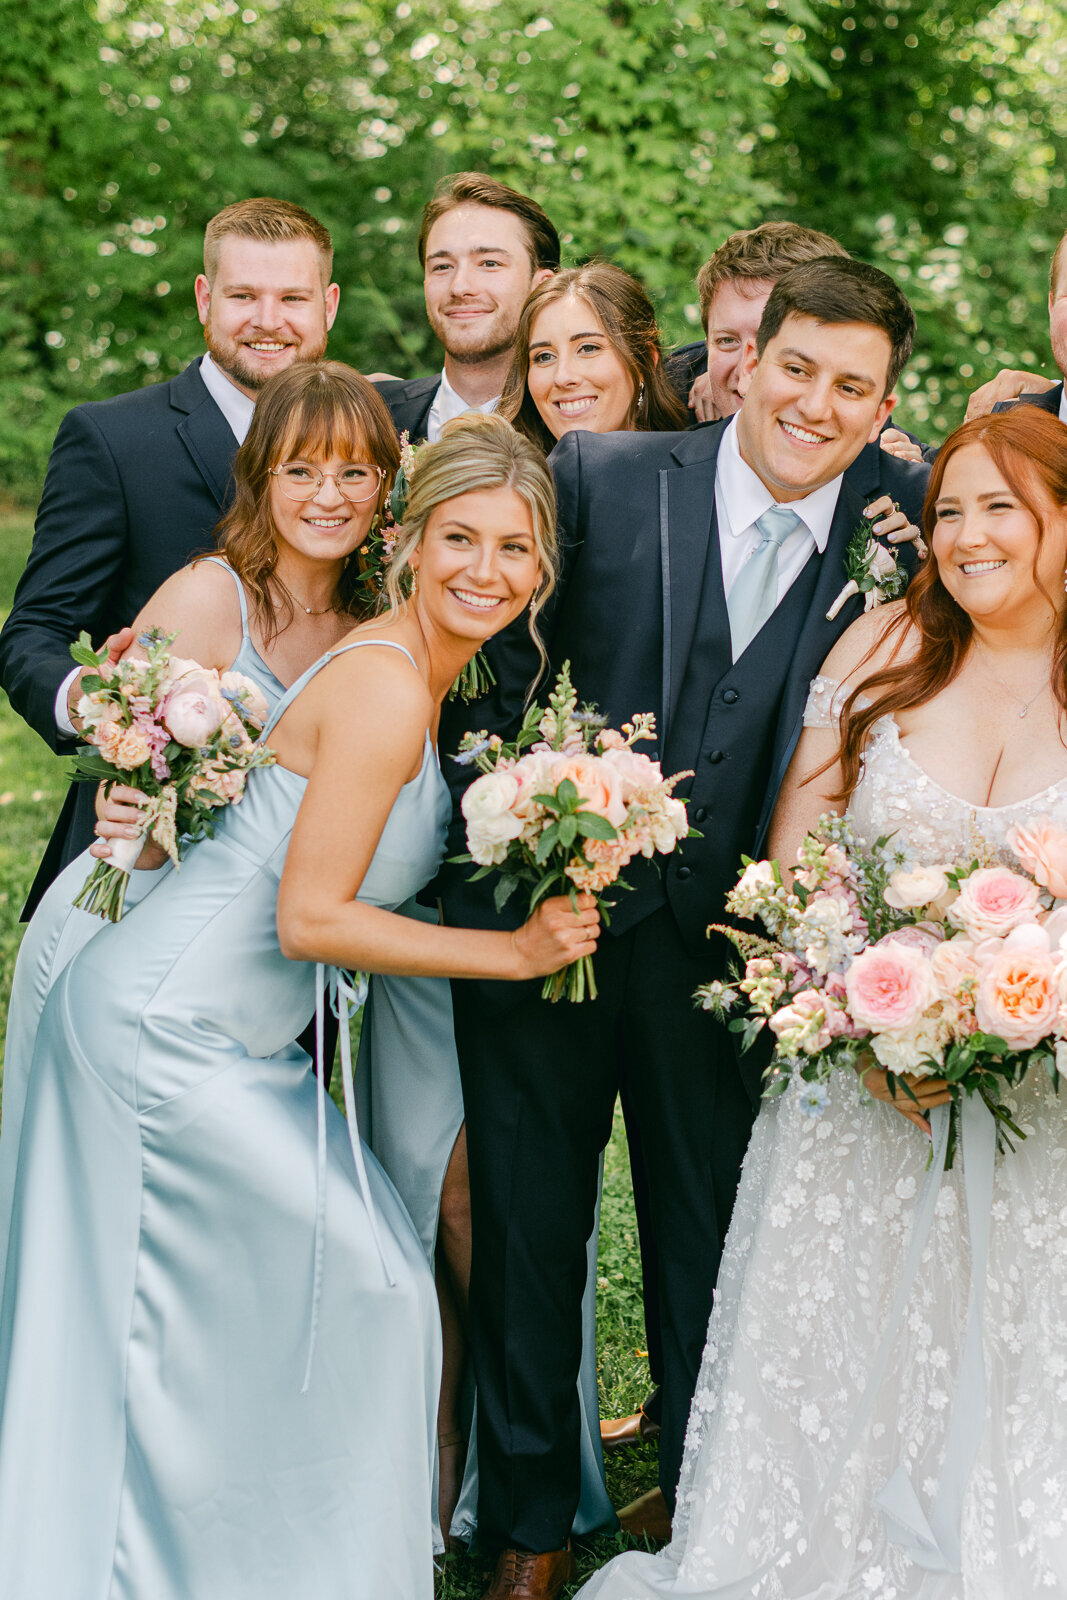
x,y
938,1471
588,356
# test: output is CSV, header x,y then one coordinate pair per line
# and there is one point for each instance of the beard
x,y
228,355
470,348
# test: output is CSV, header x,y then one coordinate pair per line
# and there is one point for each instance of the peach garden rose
x,y
1018,997
992,901
889,986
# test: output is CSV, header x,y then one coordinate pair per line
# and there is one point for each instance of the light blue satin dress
x,y
167,1431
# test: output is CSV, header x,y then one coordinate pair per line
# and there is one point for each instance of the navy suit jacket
x,y
134,489
641,615
409,401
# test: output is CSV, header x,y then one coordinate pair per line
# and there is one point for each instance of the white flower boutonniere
x,y
870,569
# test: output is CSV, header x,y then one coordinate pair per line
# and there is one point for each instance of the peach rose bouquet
x,y
565,808
949,970
183,734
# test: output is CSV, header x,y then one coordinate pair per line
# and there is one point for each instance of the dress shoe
x,y
647,1516
615,1432
522,1576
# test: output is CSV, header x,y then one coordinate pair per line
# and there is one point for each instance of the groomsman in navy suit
x,y
483,247
698,570
136,484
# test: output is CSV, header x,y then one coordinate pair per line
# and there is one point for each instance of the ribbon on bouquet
x,y
932,1542
345,999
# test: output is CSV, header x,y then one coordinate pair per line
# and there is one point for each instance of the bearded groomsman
x,y
717,553
136,484
483,247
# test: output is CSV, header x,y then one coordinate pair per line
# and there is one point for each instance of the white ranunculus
x,y
488,807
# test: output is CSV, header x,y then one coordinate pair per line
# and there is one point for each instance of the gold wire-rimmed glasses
x,y
299,480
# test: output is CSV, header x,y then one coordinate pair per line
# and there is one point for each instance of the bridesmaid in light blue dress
x,y
219,1345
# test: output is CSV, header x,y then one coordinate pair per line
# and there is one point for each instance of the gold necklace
x,y
1026,704
306,609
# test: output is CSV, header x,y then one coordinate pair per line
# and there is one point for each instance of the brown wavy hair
x,y
313,409
1029,448
628,319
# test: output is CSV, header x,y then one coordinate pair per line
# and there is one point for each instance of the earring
x,y
414,582
641,394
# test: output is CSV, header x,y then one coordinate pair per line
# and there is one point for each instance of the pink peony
x,y
992,901
193,711
598,784
1018,997
1042,848
918,937
889,986
637,771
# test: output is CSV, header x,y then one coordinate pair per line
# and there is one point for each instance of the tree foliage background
x,y
928,135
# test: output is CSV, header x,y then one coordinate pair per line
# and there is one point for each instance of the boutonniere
x,y
870,569
376,553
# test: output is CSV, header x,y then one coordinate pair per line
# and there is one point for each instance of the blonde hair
x,y
477,452
269,222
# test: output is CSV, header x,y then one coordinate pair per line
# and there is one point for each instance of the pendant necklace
x,y
1026,704
306,609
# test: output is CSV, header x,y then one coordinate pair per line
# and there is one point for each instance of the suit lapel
x,y
687,543
205,432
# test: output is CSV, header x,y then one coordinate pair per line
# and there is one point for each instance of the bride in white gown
x,y
960,733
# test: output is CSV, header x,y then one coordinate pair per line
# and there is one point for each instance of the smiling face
x,y
576,377
812,401
477,274
266,308
326,527
477,563
991,555
733,319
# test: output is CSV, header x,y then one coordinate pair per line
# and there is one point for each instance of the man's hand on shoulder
x,y
1007,385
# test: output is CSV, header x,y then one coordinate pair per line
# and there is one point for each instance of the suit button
x,y
715,756
730,697
685,872
700,814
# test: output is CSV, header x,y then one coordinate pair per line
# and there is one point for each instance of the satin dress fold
x,y
157,1439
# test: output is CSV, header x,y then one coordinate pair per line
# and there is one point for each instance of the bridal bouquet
x,y
376,553
565,808
956,971
181,733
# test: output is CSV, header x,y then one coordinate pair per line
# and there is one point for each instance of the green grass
x,y
32,785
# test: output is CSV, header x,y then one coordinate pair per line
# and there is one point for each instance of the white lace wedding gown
x,y
814,1255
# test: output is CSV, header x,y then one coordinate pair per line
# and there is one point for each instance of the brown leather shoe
x,y
522,1576
616,1432
647,1516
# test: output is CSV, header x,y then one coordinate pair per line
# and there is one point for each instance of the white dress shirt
x,y
448,404
741,497
1063,403
237,408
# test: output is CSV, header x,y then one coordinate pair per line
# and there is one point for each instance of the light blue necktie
x,y
755,591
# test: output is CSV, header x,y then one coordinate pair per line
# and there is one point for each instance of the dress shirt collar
x,y
235,406
1063,403
746,497
448,404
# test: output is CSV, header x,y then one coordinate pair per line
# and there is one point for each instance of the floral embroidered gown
x,y
813,1258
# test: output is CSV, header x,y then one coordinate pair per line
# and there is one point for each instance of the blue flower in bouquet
x,y
813,1099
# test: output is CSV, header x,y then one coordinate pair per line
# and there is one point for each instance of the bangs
x,y
322,427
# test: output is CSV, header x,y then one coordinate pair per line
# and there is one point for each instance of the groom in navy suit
x,y
698,571
136,484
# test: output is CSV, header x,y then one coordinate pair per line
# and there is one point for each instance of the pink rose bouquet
x,y
565,808
183,734
956,971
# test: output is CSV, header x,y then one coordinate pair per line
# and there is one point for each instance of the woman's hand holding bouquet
x,y
564,809
182,735
954,972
